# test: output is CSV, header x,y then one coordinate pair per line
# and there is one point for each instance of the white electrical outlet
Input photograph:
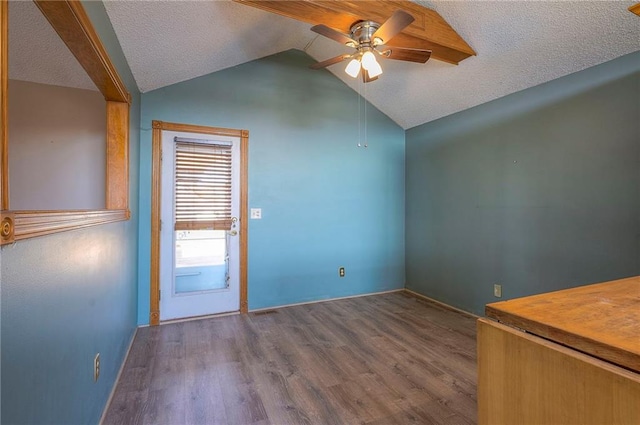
x,y
256,213
497,291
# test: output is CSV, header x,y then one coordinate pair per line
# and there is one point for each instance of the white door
x,y
199,269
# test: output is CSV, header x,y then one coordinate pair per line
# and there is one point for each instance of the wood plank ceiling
x,y
429,30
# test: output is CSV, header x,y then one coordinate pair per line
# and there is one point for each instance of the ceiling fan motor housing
x,y
363,31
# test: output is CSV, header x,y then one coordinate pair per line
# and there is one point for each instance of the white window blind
x,y
202,185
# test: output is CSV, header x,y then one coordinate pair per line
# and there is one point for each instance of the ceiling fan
x,y
370,39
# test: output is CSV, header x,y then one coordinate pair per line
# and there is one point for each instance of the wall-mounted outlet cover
x,y
256,213
341,271
497,291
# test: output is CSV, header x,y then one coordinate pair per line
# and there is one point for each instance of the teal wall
x,y
537,191
68,296
325,203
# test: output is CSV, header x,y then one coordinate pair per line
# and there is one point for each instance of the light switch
x,y
256,213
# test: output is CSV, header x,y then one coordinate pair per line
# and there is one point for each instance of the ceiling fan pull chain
x,y
364,99
359,116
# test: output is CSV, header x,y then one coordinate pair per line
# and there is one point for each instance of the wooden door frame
x,y
156,187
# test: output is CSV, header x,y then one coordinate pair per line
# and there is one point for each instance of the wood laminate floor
x,y
382,359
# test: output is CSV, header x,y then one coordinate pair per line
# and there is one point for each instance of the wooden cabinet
x,y
566,357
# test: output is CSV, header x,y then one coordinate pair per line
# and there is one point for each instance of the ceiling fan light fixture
x,y
369,60
353,68
369,39
374,70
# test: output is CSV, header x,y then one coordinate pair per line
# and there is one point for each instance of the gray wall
x,y
57,147
537,191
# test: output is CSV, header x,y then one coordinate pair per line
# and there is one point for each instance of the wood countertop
x,y
602,319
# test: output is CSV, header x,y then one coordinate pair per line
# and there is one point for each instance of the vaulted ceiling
x,y
36,52
518,44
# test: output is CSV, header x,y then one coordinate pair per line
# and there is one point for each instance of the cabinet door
x,y
524,379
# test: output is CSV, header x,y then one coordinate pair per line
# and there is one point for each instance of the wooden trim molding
x,y
6,227
244,222
156,189
635,9
18,225
202,129
69,19
117,181
4,88
29,224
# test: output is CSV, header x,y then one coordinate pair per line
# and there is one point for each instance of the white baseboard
x,y
325,300
447,306
115,383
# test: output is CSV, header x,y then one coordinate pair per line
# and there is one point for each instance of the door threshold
x,y
206,316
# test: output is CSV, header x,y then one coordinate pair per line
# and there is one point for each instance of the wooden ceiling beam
x,y
428,31
635,9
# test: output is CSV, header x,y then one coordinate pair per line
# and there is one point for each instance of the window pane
x,y
200,248
200,260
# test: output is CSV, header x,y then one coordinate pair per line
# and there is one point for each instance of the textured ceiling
x,y
166,42
37,54
519,45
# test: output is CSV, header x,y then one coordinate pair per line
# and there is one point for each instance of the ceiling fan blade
x,y
333,34
406,54
330,62
366,78
392,26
